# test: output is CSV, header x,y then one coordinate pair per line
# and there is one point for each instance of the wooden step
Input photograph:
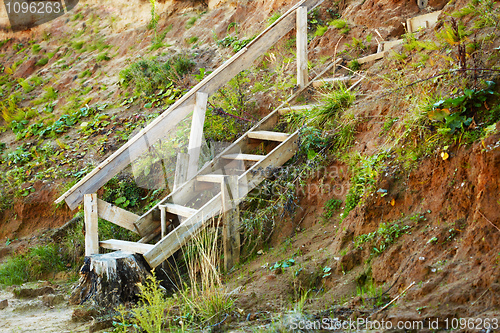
x,y
115,244
210,178
244,157
178,209
268,135
322,82
294,108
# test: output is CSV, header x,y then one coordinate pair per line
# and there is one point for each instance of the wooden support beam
x,y
196,135
302,72
268,135
126,246
91,224
288,109
231,222
181,170
179,210
117,215
210,178
244,157
183,233
182,107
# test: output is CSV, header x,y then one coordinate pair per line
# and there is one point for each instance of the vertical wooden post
x,y
181,166
302,73
196,134
230,219
163,219
91,224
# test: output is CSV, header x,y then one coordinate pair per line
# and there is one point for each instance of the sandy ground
x,y
32,315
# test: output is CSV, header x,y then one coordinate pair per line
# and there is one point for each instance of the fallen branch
x,y
487,220
397,297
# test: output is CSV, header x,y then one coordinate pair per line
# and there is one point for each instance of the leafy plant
x,y
42,62
153,306
385,235
331,206
340,25
457,112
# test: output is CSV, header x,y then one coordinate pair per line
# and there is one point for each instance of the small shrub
x,y
337,100
273,18
36,48
354,65
320,30
191,22
340,25
331,206
152,308
42,62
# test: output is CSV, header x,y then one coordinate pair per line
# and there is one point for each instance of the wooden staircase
x,y
220,185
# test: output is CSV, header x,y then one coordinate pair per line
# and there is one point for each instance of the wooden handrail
x,y
182,107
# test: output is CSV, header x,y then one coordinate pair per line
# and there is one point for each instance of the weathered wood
x,y
277,157
163,221
181,170
181,108
371,57
295,108
302,72
391,44
210,178
231,222
196,134
117,215
320,83
125,246
244,157
268,135
179,210
183,233
91,224
422,21
110,279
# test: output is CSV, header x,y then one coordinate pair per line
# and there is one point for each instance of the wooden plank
x,y
179,210
371,57
231,223
268,135
391,44
181,108
181,170
302,71
320,83
91,224
183,233
210,178
422,21
126,246
294,108
196,134
117,215
277,157
244,157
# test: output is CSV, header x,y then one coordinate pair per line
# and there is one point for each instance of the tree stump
x,y
108,280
